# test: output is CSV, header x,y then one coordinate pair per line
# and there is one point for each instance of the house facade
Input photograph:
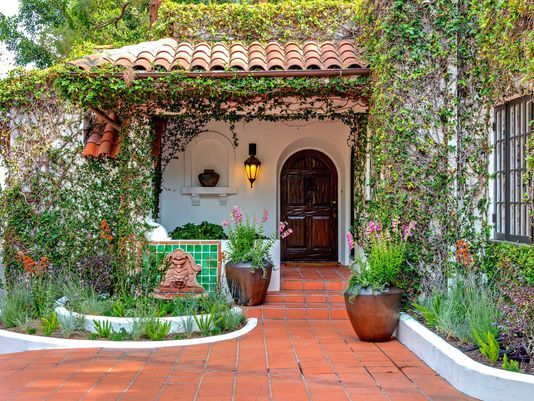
x,y
306,174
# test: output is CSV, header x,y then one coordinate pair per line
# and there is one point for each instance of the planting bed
x,y
467,375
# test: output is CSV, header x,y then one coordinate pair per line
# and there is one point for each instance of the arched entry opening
x,y
308,202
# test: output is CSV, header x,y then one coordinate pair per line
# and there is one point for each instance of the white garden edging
x,y
11,342
470,377
126,323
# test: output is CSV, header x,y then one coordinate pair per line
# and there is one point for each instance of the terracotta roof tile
x,y
168,54
104,139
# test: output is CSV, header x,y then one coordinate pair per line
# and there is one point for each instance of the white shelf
x,y
197,192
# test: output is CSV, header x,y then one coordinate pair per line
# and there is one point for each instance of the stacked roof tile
x,y
167,55
104,140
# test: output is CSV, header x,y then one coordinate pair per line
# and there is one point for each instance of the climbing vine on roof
x,y
295,20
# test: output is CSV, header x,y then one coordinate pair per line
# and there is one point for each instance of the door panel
x,y
322,232
309,204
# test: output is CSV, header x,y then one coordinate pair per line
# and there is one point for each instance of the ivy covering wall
x,y
436,74
58,208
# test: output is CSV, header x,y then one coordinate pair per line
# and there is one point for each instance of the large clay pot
x,y
247,288
209,178
374,317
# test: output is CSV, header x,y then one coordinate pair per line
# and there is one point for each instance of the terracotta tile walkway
x,y
285,359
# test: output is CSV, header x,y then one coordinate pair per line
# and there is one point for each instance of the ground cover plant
x,y
29,307
204,230
489,319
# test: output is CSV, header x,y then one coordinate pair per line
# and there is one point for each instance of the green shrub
x,y
17,308
488,346
157,330
204,230
467,306
117,309
510,364
103,328
500,254
230,320
120,335
385,255
85,300
70,324
138,329
49,324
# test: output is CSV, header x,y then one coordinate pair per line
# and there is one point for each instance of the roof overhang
x,y
229,60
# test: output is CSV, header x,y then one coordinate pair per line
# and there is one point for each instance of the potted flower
x,y
372,298
248,262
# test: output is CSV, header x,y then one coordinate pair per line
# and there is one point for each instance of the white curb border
x,y
470,377
178,323
11,342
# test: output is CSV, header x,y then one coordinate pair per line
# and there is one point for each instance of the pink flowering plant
x,y
247,241
385,250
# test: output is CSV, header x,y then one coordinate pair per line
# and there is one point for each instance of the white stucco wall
x,y
2,183
276,142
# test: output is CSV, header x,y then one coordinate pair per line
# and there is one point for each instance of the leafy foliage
x,y
247,241
488,345
466,307
385,255
103,328
44,32
157,329
510,365
49,324
501,256
296,20
436,75
203,230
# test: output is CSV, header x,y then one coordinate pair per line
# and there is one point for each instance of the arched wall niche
x,y
209,150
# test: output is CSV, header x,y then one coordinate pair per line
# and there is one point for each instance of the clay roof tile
x,y
168,54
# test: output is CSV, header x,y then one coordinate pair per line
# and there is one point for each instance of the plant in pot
x,y
248,262
372,298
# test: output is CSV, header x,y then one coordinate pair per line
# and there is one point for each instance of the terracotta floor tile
x,y
295,313
304,349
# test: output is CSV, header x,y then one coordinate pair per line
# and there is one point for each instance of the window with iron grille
x,y
512,126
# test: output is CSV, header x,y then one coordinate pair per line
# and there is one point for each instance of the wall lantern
x,y
252,164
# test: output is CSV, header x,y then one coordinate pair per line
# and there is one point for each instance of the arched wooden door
x,y
308,195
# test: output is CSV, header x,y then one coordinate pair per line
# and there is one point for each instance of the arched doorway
x,y
308,196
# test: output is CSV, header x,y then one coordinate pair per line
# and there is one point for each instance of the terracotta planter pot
x,y
209,178
247,288
374,317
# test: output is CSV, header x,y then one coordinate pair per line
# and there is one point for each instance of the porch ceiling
x,y
231,59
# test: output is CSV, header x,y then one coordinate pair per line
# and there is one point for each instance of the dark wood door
x,y
309,204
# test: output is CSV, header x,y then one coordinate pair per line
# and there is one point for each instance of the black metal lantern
x,y
252,164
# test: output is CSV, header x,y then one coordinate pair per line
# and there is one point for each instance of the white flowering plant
x,y
247,241
385,254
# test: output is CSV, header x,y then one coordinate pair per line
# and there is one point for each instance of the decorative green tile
x,y
206,255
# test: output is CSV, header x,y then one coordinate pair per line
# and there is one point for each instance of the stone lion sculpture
x,y
180,277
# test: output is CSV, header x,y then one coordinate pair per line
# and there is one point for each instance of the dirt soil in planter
x,y
527,368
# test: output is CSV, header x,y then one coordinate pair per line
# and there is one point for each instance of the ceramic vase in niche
x,y
209,178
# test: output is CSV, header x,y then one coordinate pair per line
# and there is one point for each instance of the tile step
x,y
279,312
314,285
299,297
